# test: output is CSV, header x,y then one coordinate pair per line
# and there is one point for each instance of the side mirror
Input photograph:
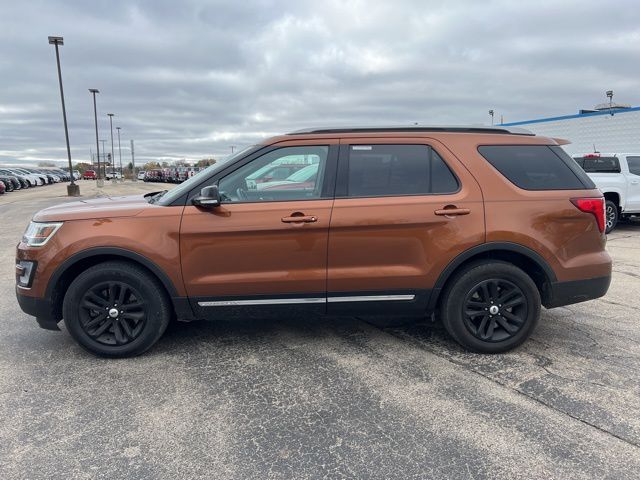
x,y
209,197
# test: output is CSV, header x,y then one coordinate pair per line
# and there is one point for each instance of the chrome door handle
x,y
299,219
634,182
451,212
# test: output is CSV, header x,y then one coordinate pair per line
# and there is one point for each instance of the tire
x,y
466,308
90,313
611,215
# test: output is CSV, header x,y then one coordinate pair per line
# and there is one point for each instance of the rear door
x,y
404,209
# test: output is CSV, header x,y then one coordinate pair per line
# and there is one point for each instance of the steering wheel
x,y
242,194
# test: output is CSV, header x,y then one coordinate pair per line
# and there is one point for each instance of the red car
x,y
89,175
2,187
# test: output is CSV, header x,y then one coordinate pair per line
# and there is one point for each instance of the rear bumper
x,y
567,293
40,308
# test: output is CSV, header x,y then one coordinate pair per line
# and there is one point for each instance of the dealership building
x,y
611,128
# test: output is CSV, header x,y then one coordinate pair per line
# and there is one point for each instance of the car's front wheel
x,y
116,309
490,307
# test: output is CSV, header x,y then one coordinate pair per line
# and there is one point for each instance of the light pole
x,y
73,190
99,182
120,155
133,164
491,114
104,159
610,97
110,115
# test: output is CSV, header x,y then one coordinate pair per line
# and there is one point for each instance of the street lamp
x,y
120,155
610,97
491,114
110,115
73,190
99,181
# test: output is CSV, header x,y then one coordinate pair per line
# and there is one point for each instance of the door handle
x,y
634,182
451,211
300,219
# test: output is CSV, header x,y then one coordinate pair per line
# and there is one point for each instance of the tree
x,y
151,166
46,164
205,162
82,167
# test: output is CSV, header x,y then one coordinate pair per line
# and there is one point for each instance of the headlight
x,y
38,234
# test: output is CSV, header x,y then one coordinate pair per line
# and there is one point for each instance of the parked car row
x,y
169,175
17,178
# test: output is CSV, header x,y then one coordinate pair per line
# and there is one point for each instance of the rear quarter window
x,y
537,167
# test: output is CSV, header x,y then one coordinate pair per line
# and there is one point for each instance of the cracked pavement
x,y
313,397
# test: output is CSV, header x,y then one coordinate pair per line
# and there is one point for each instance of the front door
x,y
266,244
404,209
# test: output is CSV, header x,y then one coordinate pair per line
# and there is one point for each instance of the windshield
x,y
171,195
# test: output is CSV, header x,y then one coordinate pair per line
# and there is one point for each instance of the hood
x,y
106,207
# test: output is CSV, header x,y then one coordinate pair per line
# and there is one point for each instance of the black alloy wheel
x,y
116,309
495,310
490,306
113,313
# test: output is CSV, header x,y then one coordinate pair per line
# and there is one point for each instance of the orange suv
x,y
480,225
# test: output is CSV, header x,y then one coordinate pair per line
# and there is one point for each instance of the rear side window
x,y
536,167
599,164
634,165
384,170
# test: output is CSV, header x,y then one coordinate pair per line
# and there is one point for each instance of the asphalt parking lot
x,y
322,397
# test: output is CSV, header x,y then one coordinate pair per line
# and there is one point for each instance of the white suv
x,y
617,175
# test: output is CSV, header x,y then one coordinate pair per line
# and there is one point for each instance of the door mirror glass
x,y
209,197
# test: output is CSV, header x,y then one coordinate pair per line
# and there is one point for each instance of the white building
x,y
617,133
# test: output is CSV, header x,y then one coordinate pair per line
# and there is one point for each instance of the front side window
x,y
289,173
388,170
634,165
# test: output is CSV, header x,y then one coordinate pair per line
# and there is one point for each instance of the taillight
x,y
594,206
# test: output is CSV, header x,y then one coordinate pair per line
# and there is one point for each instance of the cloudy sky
x,y
190,78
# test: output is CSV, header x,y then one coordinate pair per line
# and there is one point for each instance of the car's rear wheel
x,y
611,215
116,309
490,307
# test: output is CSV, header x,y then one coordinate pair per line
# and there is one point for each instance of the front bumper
x,y
40,308
567,293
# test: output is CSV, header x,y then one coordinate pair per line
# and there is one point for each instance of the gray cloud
x,y
188,79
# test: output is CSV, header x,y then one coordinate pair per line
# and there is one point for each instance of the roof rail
x,y
417,128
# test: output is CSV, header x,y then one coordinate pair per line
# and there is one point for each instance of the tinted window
x,y
379,170
599,164
634,165
534,167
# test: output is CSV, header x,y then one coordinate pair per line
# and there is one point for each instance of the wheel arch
x,y
523,257
63,276
613,196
